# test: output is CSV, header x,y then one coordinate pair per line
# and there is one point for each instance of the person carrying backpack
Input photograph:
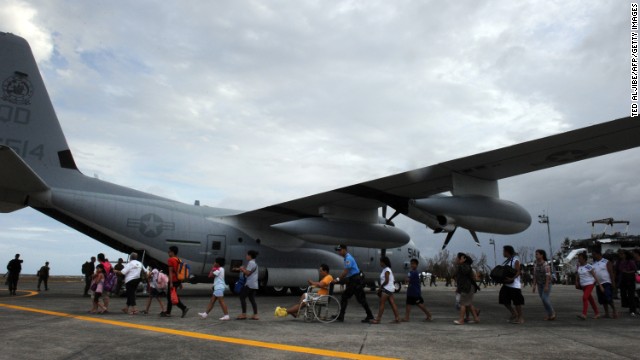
x,y
174,283
88,269
108,269
157,289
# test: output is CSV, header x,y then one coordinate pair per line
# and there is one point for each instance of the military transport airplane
x,y
38,170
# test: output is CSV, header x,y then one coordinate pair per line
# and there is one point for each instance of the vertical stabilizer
x,y
28,123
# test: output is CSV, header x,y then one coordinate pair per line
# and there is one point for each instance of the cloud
x,y
248,104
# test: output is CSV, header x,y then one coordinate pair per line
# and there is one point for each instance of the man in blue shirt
x,y
354,284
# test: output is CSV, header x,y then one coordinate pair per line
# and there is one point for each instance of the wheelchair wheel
x,y
326,308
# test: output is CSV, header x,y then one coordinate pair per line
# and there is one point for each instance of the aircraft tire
x,y
298,290
277,290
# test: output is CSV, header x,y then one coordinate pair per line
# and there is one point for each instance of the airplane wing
x,y
397,190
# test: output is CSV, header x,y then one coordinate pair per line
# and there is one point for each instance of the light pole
x,y
492,242
544,219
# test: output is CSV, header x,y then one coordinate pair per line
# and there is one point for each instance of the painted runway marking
x,y
28,293
196,335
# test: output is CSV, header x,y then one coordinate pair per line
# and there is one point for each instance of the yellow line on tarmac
x,y
29,293
196,335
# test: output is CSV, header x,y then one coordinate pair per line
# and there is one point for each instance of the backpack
x,y
184,271
162,281
110,282
85,268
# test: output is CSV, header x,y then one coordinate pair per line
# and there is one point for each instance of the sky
x,y
245,104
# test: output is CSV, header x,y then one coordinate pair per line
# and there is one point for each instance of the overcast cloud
x,y
244,104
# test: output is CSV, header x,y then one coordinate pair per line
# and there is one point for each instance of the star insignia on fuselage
x,y
150,225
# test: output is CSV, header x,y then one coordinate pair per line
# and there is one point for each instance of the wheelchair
x,y
324,308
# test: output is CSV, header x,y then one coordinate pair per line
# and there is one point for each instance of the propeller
x,y
384,215
450,235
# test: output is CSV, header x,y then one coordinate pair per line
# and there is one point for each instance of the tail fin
x,y
33,151
28,123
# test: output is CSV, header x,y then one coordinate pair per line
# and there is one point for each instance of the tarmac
x,y
55,324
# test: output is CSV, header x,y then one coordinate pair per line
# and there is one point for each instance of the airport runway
x,y
55,325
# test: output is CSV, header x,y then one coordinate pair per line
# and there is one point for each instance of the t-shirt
x,y
14,266
44,272
391,284
153,279
414,284
131,271
106,265
174,262
350,264
326,281
584,272
540,272
516,282
602,273
252,280
218,282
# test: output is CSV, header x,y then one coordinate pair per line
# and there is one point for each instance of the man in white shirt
x,y
131,273
606,276
511,291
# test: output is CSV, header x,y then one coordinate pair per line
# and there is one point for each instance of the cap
x,y
340,247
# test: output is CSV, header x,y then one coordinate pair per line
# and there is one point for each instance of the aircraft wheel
x,y
298,290
278,290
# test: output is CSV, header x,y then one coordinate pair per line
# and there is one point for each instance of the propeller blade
x,y
449,236
475,237
391,218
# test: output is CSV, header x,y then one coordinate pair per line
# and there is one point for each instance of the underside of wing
x,y
475,174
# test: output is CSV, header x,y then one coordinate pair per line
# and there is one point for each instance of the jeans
x,y
544,296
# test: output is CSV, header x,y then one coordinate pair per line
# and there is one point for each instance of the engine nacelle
x,y
473,212
333,232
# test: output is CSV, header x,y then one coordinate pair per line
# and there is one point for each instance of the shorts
x,y
605,297
154,293
386,291
510,295
414,300
218,293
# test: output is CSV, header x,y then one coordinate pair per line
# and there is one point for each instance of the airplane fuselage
x,y
135,221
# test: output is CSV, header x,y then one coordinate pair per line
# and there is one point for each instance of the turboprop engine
x,y
330,232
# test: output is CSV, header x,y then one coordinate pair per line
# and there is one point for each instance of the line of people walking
x,y
600,276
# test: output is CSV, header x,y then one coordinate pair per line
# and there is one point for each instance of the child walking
x,y
386,291
217,272
97,285
414,292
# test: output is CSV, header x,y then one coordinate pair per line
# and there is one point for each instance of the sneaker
x,y
203,315
225,318
184,312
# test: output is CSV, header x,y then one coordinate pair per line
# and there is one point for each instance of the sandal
x,y
374,321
